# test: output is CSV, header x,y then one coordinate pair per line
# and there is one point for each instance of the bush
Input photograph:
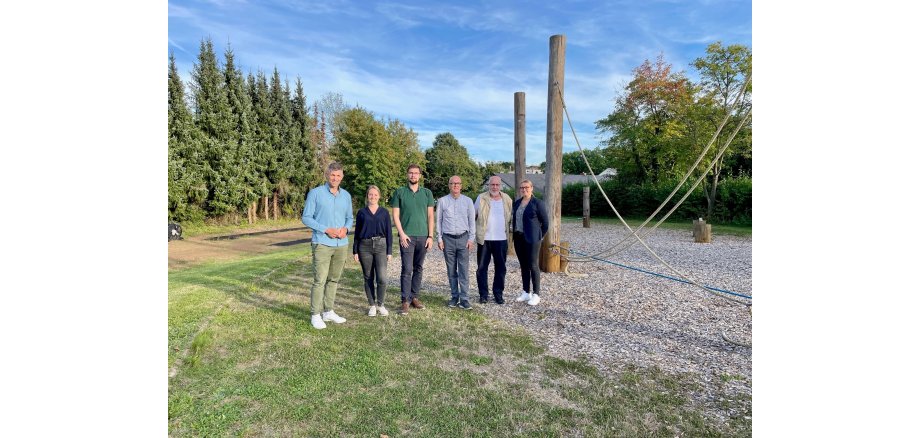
x,y
733,202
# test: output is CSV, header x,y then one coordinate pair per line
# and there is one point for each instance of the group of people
x,y
489,223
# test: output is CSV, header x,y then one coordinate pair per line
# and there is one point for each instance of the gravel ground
x,y
615,317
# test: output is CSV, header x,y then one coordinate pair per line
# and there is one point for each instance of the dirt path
x,y
194,250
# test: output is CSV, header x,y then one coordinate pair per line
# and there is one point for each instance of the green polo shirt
x,y
413,209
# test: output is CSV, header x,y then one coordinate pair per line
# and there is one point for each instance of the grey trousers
x,y
457,258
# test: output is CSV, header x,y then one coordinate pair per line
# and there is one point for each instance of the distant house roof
x,y
539,179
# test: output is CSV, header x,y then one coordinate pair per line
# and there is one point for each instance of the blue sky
x,y
455,66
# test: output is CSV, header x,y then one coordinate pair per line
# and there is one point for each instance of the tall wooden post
x,y
520,140
586,207
552,193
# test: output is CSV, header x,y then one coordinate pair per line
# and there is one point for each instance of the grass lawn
x,y
245,361
686,225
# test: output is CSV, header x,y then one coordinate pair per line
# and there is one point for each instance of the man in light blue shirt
x,y
327,212
456,233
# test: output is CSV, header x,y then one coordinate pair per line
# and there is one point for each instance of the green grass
x,y
685,225
248,364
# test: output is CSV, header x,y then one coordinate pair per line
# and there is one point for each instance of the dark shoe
x,y
483,300
417,304
404,308
465,305
499,301
453,302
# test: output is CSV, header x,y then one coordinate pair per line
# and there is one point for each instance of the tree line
x,y
249,146
244,147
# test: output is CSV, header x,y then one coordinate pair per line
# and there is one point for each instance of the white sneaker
x,y
524,297
534,299
317,322
372,311
331,316
383,311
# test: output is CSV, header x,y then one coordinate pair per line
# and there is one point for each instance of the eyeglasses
x,y
525,187
455,184
494,184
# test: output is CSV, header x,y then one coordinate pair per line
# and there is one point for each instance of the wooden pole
x,y
520,140
552,190
586,207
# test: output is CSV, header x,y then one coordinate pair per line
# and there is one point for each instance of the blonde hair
x,y
369,192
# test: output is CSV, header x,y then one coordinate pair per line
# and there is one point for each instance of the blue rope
x,y
661,275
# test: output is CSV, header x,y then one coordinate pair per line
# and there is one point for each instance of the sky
x,y
455,66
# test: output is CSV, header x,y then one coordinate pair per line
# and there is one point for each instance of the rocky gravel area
x,y
615,317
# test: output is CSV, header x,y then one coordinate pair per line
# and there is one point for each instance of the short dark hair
x,y
413,165
333,166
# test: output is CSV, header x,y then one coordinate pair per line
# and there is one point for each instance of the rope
x,y
614,251
634,233
623,221
611,251
665,276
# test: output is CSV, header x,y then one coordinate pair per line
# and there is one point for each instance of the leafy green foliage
x,y
446,158
639,200
662,122
573,163
367,154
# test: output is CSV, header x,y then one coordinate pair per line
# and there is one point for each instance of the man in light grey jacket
x,y
493,232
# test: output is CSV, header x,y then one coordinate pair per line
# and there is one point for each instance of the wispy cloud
x,y
455,66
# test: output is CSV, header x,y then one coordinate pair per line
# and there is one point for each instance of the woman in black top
x,y
373,248
530,223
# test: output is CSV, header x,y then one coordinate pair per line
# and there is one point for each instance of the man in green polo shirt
x,y
413,214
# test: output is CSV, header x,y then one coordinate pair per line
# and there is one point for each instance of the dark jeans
x,y
498,251
373,256
412,259
529,256
457,258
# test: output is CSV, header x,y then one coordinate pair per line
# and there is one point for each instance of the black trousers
x,y
373,256
495,250
529,256
413,259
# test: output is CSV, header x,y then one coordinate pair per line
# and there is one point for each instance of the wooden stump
x,y
586,207
702,232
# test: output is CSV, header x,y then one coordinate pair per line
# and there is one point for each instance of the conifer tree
x,y
281,141
214,119
243,173
304,167
264,133
187,189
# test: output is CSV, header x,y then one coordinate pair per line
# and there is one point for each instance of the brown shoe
x,y
417,304
404,308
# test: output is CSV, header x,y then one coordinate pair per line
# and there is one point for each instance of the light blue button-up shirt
x,y
324,210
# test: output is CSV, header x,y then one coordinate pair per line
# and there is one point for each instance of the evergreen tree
x,y
214,119
243,176
304,169
187,189
264,135
282,143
